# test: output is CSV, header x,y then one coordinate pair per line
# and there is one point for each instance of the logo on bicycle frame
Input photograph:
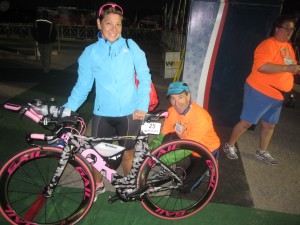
x,y
99,163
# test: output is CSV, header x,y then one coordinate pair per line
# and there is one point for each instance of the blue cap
x,y
177,88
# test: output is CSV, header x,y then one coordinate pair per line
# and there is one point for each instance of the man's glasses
x,y
289,28
109,5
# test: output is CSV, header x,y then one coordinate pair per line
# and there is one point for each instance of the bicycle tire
x,y
24,177
198,186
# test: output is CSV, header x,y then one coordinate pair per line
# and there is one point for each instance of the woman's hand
x,y
138,115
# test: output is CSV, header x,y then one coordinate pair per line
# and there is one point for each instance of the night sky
x,y
92,4
131,7
288,5
88,4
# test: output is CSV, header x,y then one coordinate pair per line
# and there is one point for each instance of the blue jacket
x,y
112,67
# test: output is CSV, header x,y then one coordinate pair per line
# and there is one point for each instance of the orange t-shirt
x,y
272,51
196,125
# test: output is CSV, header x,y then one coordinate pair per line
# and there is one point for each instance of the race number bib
x,y
288,61
179,128
151,128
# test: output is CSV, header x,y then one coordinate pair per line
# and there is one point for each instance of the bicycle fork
x,y
65,156
38,204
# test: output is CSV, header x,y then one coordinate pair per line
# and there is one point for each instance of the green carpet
x,y
59,85
213,214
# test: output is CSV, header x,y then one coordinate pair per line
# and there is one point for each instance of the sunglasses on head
x,y
109,5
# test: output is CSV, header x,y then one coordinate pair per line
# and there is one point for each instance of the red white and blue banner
x,y
221,38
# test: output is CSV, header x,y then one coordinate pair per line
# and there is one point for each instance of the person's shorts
x,y
103,126
257,106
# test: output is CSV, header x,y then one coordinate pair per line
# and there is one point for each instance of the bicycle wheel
x,y
193,164
24,178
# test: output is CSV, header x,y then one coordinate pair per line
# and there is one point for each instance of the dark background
x,y
88,4
289,5
24,11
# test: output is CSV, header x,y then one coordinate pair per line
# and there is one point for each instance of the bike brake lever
x,y
30,141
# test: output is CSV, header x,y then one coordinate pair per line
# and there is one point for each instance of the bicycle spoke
x,y
25,186
41,173
178,198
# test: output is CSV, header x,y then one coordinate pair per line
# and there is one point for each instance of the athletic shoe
x,y
100,189
230,151
264,155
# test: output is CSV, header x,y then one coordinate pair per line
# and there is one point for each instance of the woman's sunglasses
x,y
107,6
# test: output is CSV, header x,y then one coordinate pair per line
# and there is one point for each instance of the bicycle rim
x,y
24,177
199,181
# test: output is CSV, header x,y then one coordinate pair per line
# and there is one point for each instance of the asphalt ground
x,y
267,191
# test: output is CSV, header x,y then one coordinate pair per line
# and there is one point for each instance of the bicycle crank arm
x,y
118,196
112,199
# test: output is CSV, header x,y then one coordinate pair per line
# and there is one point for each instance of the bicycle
x,y
55,185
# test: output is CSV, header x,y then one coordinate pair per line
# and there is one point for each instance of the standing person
x,y
119,106
272,72
44,33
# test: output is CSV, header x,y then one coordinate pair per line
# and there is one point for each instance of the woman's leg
x,y
100,128
127,160
128,127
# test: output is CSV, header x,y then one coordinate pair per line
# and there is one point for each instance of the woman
x,y
119,106
272,72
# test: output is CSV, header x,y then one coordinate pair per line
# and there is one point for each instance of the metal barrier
x,y
19,30
77,32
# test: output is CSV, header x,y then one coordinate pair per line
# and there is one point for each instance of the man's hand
x,y
297,69
270,68
294,68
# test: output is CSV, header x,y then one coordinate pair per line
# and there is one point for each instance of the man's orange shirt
x,y
197,126
272,51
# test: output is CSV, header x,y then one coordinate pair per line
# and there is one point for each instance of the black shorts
x,y
104,126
